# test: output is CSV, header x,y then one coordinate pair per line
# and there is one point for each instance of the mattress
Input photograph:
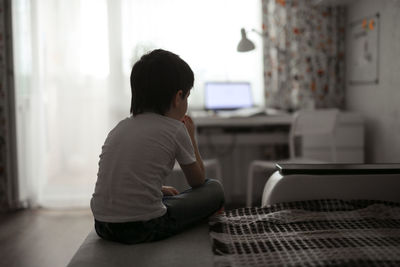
x,y
190,248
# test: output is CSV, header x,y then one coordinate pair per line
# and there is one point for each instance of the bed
x,y
334,220
314,220
295,187
191,248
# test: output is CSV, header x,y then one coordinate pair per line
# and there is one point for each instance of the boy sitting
x,y
130,204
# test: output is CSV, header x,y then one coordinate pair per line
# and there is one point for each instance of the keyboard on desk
x,y
243,112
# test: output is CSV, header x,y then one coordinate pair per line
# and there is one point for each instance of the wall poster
x,y
363,55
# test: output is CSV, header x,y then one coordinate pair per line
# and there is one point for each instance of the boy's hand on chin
x,y
169,191
189,125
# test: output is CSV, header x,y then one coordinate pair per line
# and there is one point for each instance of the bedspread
x,y
309,233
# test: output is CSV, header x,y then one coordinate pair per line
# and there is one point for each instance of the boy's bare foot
x,y
220,211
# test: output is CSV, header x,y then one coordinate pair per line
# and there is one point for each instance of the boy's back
x,y
136,157
131,204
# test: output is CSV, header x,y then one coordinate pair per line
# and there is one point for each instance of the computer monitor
x,y
228,95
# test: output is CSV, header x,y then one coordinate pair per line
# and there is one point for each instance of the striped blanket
x,y
309,233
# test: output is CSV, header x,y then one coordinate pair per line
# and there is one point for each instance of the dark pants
x,y
183,210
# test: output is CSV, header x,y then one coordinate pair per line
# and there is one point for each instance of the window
x,y
78,56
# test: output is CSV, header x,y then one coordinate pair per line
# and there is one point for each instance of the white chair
x,y
305,123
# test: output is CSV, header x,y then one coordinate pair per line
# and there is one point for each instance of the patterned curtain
x,y
8,178
303,54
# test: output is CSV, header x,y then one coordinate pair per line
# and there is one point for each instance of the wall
x,y
379,103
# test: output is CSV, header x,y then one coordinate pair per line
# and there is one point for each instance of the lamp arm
x,y
258,32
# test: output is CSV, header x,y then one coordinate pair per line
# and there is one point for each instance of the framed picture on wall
x,y
363,67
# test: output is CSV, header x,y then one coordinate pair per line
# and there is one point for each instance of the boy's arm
x,y
195,173
169,190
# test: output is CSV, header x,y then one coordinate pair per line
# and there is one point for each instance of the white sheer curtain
x,y
73,61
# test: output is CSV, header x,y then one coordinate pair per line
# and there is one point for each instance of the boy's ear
x,y
178,98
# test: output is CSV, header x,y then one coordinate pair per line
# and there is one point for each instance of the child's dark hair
x,y
155,80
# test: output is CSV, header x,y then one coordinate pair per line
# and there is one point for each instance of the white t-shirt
x,y
136,157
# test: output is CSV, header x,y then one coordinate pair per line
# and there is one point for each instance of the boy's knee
x,y
216,188
213,183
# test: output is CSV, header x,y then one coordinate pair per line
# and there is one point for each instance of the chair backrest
x,y
314,122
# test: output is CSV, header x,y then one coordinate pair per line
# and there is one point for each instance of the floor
x,y
42,237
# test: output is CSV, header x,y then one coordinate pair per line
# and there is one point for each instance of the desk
x,y
238,141
235,142
274,130
283,119
258,130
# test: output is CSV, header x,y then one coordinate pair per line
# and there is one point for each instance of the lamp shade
x,y
245,44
